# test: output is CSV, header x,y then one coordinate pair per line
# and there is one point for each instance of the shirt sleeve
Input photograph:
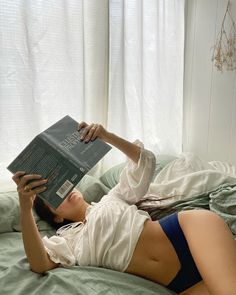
x,y
135,177
59,251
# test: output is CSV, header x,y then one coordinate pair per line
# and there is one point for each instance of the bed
x,y
16,277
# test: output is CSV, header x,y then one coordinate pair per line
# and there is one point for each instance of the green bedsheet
x,y
17,279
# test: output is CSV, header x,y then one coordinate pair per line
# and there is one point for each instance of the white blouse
x,y
113,225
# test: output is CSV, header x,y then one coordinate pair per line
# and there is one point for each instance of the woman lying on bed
x,y
192,252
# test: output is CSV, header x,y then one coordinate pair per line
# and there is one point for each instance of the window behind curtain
x,y
53,62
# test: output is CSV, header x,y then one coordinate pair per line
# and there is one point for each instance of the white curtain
x,y
146,72
54,58
53,62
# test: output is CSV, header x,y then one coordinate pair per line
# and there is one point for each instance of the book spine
x,y
46,139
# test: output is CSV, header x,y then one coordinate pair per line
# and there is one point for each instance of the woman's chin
x,y
71,196
74,197
76,193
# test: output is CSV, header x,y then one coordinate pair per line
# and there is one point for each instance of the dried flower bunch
x,y
224,50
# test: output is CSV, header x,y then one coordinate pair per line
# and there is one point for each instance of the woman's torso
x,y
154,256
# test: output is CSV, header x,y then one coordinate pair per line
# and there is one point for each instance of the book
x,y
61,157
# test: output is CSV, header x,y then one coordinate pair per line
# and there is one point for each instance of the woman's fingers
x,y
17,176
39,189
24,180
35,184
82,125
84,128
31,183
96,132
92,131
88,132
28,185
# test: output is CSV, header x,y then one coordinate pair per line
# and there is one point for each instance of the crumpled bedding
x,y
184,183
191,183
17,279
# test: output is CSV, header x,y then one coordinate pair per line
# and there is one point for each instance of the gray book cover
x,y
60,156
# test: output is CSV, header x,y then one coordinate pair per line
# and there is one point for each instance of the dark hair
x,y
46,214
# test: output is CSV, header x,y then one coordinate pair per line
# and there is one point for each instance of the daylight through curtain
x,y
54,58
146,72
53,62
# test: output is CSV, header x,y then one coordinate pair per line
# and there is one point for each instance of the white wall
x,y
209,96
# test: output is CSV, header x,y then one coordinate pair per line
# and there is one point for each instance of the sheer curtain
x,y
146,72
54,58
53,62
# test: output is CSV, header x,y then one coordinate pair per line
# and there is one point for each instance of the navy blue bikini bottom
x,y
188,274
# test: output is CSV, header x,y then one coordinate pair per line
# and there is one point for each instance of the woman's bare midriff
x,y
154,257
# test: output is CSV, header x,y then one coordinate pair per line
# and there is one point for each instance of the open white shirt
x,y
113,225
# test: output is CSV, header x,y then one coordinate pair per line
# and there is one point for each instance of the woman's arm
x,y
37,256
90,132
136,176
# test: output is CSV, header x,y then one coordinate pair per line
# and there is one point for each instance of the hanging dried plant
x,y
224,50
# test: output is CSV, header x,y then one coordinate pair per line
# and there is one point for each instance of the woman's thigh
x,y
213,248
198,289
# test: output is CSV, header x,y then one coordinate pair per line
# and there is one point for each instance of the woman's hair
x,y
46,214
